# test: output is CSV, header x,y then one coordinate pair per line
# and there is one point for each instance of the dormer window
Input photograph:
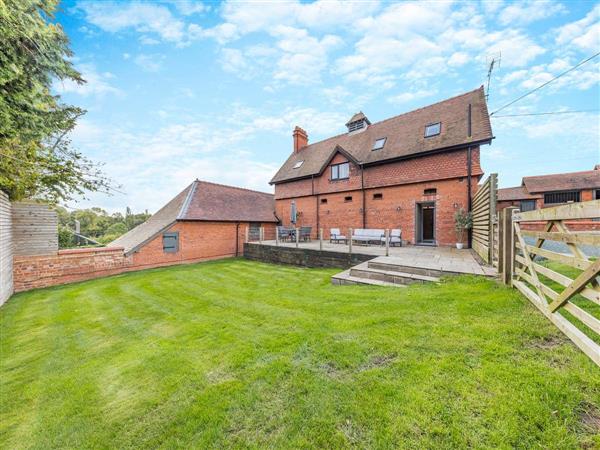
x,y
298,164
379,143
358,122
433,129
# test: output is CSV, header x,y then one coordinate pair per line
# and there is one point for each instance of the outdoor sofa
x,y
368,235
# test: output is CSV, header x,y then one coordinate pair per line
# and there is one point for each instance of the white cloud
x,y
524,12
584,33
150,63
458,59
581,79
142,17
555,126
97,83
303,57
188,7
409,96
248,17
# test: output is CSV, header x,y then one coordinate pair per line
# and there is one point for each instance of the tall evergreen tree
x,y
36,157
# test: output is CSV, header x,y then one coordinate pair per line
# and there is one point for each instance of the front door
x,y
426,223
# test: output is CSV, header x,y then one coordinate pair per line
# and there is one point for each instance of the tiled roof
x,y
515,193
405,136
155,224
211,201
589,179
206,201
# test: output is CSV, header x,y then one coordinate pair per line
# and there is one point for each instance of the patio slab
x,y
443,259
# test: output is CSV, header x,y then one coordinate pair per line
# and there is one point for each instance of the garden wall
x,y
302,256
6,249
67,266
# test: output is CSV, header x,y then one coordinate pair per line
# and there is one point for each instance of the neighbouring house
x,y
543,191
204,221
411,171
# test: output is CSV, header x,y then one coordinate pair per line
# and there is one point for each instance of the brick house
x,y
411,171
204,221
543,191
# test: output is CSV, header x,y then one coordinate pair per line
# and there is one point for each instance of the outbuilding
x,y
204,221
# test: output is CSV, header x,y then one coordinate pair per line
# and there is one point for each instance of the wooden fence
x,y
6,249
553,292
484,210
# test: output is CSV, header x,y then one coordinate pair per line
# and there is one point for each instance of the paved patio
x,y
444,259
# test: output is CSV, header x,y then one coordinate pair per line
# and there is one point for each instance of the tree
x,y
36,158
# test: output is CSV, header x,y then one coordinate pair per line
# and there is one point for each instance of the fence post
x,y
387,242
506,245
247,235
297,236
350,240
260,235
276,235
321,239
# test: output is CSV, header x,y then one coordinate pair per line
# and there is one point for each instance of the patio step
x,y
405,269
344,278
367,271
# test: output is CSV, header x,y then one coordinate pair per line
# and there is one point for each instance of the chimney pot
x,y
300,139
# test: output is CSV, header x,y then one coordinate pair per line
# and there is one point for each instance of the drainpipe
x,y
469,172
237,239
312,182
362,188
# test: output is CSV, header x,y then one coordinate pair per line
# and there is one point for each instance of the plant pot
x,y
459,245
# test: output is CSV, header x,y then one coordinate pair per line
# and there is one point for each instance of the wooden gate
x,y
484,210
553,292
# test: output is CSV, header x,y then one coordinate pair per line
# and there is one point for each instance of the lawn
x,y
241,354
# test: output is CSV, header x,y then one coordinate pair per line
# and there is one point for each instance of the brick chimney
x,y
300,139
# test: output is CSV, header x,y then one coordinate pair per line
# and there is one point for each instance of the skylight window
x,y
298,164
433,129
379,143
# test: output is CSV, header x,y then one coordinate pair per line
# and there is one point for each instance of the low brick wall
x,y
68,266
575,225
302,256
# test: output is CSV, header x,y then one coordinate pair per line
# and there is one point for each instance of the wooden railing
x,y
550,291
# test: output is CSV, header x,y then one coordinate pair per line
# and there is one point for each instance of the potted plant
x,y
462,221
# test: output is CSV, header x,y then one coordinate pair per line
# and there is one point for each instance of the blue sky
x,y
179,90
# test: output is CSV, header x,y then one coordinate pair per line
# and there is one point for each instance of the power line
x,y
547,83
547,113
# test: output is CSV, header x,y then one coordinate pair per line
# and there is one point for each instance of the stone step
x,y
422,271
390,276
344,278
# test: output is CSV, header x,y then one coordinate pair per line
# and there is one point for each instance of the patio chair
x,y
335,236
305,233
395,238
285,233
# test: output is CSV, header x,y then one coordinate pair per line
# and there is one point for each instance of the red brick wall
x,y
426,168
198,241
585,196
402,185
381,213
67,266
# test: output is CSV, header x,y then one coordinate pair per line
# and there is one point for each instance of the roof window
x,y
379,143
433,129
298,165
